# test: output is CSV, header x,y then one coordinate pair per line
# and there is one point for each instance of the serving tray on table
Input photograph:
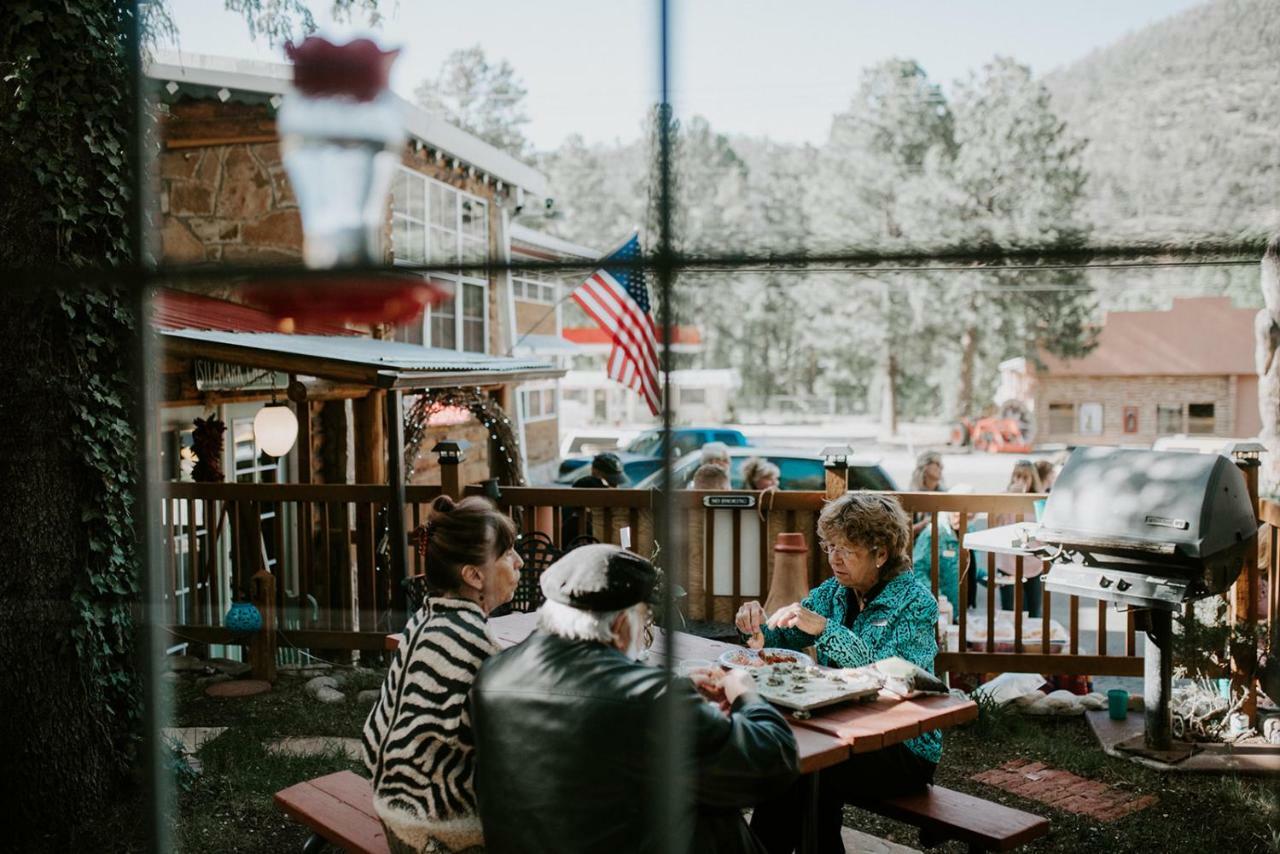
x,y
794,686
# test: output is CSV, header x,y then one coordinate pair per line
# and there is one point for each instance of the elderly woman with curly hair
x,y
873,607
760,474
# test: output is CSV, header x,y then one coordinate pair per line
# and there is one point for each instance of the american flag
x,y
617,298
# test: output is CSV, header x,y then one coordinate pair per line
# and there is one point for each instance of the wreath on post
x,y
507,466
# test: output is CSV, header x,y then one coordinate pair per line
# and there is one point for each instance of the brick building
x,y
1186,370
225,198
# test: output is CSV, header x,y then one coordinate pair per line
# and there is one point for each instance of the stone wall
x,y
1145,393
228,203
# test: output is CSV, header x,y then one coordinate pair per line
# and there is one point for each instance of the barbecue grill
x,y
1149,530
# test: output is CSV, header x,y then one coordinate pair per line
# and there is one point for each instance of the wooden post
x,y
836,465
1244,601
451,453
396,527
262,648
371,467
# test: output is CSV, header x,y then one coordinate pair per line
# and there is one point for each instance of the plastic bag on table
x,y
905,679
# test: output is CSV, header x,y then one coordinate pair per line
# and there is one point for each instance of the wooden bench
x,y
339,810
945,814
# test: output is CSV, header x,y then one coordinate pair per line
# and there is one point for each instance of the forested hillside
x,y
1182,120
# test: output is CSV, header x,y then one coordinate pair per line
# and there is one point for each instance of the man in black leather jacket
x,y
570,729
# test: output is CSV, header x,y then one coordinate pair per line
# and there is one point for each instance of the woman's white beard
x,y
635,646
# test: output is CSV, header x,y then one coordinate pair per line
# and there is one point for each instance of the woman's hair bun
x,y
443,504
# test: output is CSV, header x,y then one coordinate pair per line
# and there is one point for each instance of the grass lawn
x,y
228,807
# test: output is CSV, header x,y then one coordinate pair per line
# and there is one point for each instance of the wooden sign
x,y
728,502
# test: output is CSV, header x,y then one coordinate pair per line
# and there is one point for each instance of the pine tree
x,y
479,97
1015,181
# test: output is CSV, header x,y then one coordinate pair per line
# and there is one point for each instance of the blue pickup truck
x,y
640,457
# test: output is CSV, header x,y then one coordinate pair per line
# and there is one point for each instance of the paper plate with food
x,y
764,657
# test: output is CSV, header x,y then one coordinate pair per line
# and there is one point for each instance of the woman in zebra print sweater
x,y
418,740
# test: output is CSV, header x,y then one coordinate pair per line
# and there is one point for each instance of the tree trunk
x,y
968,352
889,366
889,396
1266,344
57,760
68,458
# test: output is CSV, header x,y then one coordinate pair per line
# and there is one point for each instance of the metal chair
x,y
583,540
538,552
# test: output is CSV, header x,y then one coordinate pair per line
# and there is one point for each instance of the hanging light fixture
x,y
275,428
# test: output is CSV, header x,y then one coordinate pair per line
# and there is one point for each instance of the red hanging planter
x,y
357,298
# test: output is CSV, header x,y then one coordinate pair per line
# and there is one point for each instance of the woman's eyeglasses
x,y
832,550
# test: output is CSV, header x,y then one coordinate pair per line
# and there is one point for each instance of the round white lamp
x,y
275,428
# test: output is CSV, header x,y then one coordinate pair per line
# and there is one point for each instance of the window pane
x,y
473,301
1062,418
443,331
1200,418
400,191
417,197
473,336
444,211
1168,419
410,333
444,246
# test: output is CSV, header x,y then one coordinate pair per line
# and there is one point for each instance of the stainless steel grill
x,y
1144,529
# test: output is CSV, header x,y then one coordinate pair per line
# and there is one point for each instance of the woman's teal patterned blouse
x,y
902,620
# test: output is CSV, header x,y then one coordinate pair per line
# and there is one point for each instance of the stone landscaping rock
x,y
330,695
317,746
234,669
206,681
183,663
318,683
370,696
303,671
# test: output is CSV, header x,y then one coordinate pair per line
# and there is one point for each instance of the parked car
x,y
641,453
799,471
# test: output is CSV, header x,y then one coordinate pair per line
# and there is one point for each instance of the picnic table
x,y
831,733
827,737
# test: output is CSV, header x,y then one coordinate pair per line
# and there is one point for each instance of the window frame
x,y
1055,424
459,281
547,392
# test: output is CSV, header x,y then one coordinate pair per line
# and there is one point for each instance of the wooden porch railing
x,y
324,544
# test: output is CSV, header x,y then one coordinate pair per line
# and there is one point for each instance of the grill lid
x,y
1163,504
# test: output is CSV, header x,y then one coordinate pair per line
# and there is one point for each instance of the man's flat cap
x,y
600,577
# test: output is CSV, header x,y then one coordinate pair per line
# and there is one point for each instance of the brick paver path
x,y
1064,790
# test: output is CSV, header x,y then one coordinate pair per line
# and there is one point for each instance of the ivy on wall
x,y
64,109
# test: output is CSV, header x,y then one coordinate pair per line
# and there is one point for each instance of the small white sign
x,y
625,537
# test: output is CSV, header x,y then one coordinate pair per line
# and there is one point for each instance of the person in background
x,y
872,607
1025,479
716,454
418,741
759,474
606,473
570,734
608,468
1048,472
710,477
948,551
927,477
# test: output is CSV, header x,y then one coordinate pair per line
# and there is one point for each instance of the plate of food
x,y
766,657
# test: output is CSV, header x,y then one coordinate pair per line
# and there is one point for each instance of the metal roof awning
x,y
367,361
547,345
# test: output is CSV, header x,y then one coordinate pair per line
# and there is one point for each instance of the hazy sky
x,y
762,67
